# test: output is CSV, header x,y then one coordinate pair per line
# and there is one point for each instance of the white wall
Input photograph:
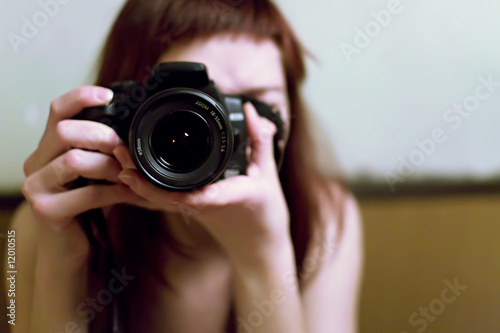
x,y
400,86
374,102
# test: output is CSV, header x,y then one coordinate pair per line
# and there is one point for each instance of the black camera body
x,y
182,132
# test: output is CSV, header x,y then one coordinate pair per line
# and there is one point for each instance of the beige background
x,y
414,244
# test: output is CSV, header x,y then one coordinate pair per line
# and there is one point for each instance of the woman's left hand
x,y
247,215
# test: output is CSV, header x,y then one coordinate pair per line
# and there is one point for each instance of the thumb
x,y
261,133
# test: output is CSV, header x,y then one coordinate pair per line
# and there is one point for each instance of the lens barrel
x,y
181,139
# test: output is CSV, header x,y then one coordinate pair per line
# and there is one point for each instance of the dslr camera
x,y
182,132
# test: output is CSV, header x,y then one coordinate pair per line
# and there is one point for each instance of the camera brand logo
x,y
31,27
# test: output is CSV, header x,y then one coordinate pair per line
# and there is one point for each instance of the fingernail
x,y
126,179
103,94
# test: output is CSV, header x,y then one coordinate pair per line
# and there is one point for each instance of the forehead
x,y
235,62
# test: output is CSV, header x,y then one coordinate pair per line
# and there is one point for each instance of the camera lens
x,y
181,141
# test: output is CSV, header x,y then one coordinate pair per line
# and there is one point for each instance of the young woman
x,y
271,251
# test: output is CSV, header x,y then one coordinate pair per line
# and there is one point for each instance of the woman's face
x,y
239,64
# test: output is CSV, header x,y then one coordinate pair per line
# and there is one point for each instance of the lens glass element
x,y
181,141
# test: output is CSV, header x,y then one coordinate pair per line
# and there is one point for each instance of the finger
x,y
58,210
87,134
71,103
82,134
61,108
261,132
146,190
71,165
122,154
161,198
216,195
153,194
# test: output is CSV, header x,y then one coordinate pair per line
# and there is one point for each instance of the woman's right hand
x,y
67,150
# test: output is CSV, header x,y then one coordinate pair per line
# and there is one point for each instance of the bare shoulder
x,y
339,224
349,241
24,225
334,262
336,237
350,216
